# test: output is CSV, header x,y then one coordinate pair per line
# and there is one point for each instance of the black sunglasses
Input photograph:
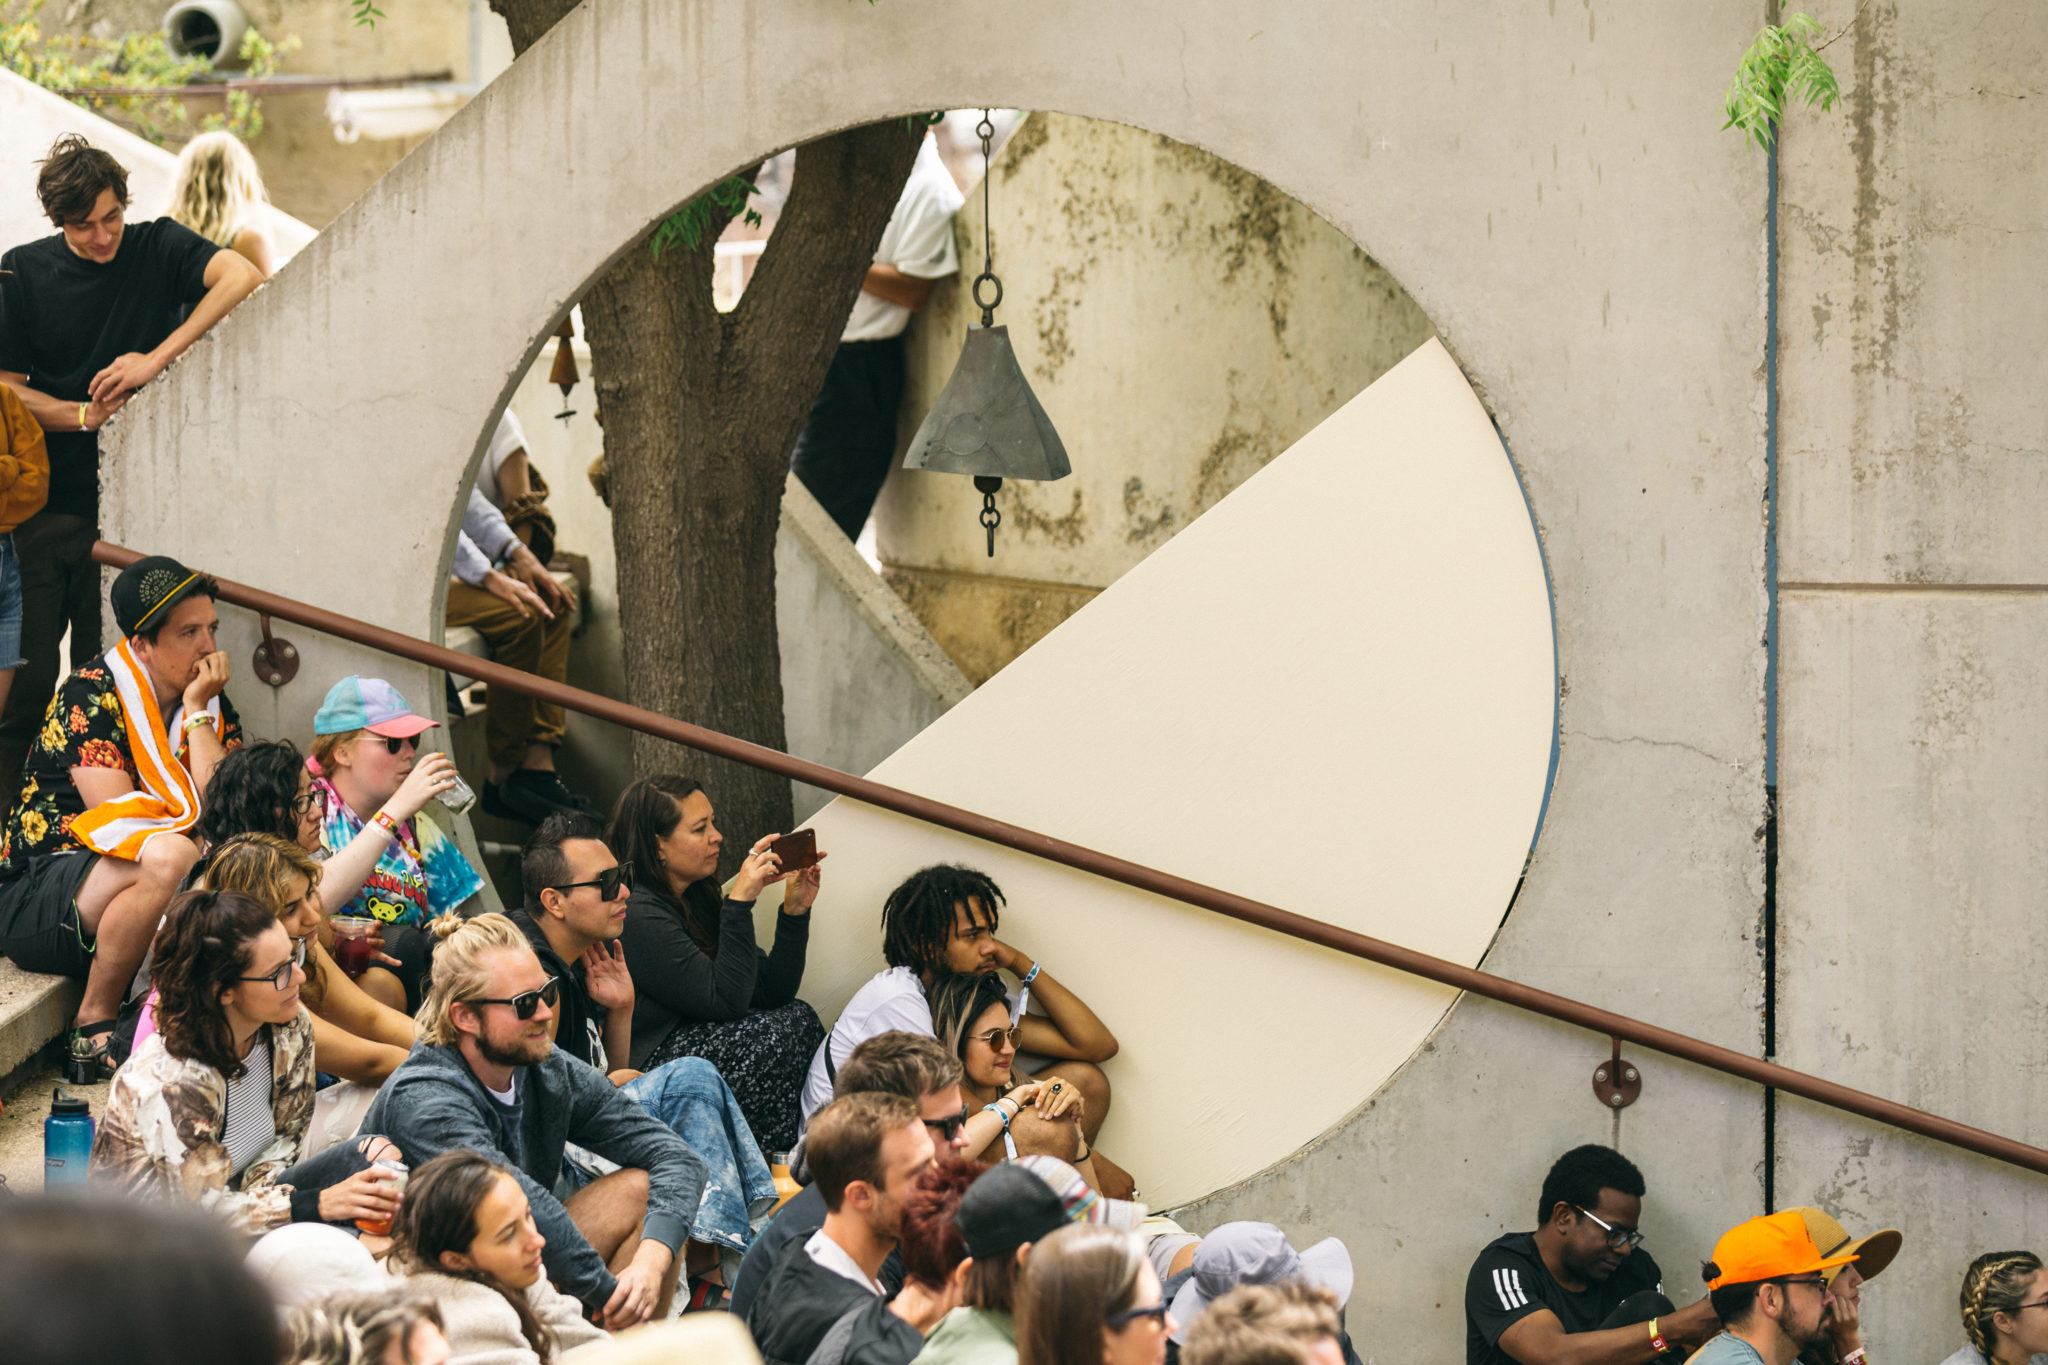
x,y
607,882
950,1127
393,745
527,1003
1157,1312
281,979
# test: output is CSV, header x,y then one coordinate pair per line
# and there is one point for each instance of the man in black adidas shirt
x,y
88,316
1578,1290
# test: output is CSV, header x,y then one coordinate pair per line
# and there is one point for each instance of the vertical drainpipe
x,y
1770,915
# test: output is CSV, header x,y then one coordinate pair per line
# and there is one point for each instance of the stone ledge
x,y
33,1010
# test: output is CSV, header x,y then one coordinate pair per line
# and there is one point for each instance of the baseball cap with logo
x,y
1767,1248
1257,1253
1024,1200
144,592
357,703
1872,1253
1078,1197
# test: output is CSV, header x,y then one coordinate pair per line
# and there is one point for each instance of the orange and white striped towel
x,y
166,801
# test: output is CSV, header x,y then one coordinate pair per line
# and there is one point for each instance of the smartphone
x,y
796,851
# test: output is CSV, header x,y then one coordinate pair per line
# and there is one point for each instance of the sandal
x,y
91,1060
706,1296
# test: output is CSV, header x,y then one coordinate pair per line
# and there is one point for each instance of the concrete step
x,y
33,1010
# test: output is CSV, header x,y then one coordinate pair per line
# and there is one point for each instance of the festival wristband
x,y
193,722
1856,1357
996,1107
83,408
1030,976
1658,1344
383,820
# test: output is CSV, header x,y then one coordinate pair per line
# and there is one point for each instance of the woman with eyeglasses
x,y
971,1015
366,745
703,987
214,1107
466,1241
2005,1310
1089,1296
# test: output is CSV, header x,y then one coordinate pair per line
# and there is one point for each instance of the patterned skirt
x,y
763,1056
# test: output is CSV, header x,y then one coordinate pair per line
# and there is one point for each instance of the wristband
x,y
996,1107
382,819
1029,976
1856,1357
1660,1345
83,408
193,722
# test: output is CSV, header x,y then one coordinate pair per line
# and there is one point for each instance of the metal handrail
x,y
1455,975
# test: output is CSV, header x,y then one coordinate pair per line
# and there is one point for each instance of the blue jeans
x,y
10,606
693,1099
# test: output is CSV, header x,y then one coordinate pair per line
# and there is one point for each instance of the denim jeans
x,y
693,1099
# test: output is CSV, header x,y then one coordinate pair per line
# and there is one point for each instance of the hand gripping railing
x,y
1116,869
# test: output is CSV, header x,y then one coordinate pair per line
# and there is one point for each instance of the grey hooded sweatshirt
x,y
434,1103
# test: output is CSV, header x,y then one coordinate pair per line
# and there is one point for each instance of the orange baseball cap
x,y
1767,1248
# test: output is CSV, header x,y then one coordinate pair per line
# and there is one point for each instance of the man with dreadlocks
x,y
941,922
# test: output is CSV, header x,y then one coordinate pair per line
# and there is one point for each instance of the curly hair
x,y
438,1214
251,792
1577,1177
74,175
1995,1283
201,950
357,1329
917,919
932,1244
218,191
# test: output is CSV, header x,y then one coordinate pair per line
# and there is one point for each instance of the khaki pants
x,y
533,645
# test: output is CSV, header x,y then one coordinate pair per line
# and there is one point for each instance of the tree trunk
x,y
700,411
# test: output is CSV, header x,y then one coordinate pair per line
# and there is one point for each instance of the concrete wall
x,y
1182,321
1914,718
1551,190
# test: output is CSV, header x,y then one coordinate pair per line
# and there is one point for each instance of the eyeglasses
x,y
281,979
2037,1303
392,745
997,1038
1617,1238
527,1003
1157,1312
607,882
1818,1280
304,802
949,1128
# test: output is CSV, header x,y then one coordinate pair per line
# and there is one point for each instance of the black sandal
x,y
91,1059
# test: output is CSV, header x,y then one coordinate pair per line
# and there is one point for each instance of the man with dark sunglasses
x,y
1579,1290
1768,1288
487,1076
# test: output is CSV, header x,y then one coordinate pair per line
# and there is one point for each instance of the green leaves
x,y
688,225
1781,66
366,13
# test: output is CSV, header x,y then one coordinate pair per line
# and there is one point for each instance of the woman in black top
x,y
703,987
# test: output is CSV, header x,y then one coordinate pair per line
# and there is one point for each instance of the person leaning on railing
x,y
1579,1290
703,986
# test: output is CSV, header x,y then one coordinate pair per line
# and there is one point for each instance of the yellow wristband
x,y
1657,1342
83,408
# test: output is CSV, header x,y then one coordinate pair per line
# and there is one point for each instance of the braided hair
x,y
1995,1283
917,919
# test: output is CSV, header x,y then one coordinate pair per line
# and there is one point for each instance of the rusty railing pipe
x,y
1459,977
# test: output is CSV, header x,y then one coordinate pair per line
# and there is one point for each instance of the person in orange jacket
x,y
24,485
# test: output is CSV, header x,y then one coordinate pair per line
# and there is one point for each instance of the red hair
x,y
932,1244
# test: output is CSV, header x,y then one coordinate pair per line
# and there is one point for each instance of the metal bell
x,y
987,422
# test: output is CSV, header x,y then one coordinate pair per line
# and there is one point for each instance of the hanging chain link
x,y
986,131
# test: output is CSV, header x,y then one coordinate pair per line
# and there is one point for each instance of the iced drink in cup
x,y
398,1168
355,944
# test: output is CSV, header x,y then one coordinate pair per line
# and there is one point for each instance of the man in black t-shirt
x,y
1580,1274
87,317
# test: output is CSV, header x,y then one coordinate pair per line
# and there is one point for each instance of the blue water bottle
x,y
67,1140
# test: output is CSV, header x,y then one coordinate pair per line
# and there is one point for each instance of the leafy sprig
x,y
1783,66
688,225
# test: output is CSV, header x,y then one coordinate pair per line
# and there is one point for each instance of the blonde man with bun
x,y
2005,1311
219,194
485,1076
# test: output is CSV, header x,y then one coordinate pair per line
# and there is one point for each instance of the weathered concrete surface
x,y
1182,321
1913,750
1551,190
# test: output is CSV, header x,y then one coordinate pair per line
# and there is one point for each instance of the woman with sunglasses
x,y
1089,1296
971,1015
466,1241
214,1107
703,987
366,745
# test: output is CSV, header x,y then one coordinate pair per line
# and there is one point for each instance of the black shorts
x,y
39,924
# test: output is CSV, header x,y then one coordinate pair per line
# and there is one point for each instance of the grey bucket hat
x,y
1257,1253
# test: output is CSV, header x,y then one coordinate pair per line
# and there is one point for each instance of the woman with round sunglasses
x,y
366,745
1089,1296
214,1107
1008,1116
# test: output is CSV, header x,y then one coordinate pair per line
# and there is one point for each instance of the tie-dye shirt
x,y
421,875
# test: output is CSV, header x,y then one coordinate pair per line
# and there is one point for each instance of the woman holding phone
x,y
703,986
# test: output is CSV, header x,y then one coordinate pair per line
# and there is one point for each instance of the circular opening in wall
x,y
211,29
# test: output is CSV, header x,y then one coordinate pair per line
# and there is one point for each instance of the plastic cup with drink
x,y
355,944
382,1227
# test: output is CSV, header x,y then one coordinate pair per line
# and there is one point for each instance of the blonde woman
x,y
219,194
2005,1310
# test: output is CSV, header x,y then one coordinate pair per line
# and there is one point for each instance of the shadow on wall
x,y
1182,321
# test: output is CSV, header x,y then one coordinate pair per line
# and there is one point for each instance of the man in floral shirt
x,y
65,909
